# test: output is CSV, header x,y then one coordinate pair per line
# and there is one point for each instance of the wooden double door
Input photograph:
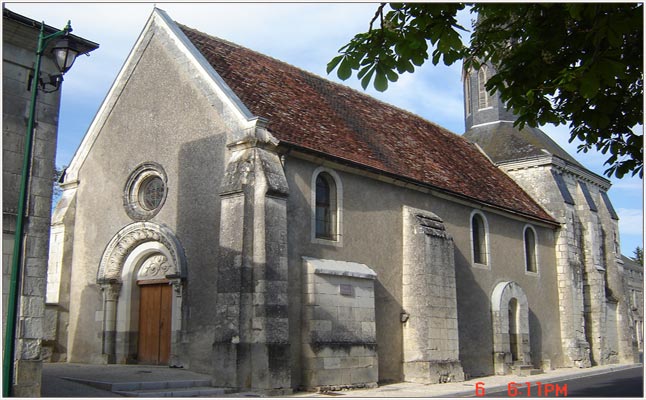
x,y
155,312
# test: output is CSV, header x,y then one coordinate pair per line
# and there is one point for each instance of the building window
x,y
531,265
326,207
467,94
145,191
151,192
479,239
484,100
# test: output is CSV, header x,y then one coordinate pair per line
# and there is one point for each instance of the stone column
x,y
431,347
252,343
110,296
176,323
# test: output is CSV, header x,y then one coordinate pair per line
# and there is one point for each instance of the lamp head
x,y
65,52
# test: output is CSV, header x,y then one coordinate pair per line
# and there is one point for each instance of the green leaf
x,y
392,75
345,70
332,64
381,83
366,79
589,85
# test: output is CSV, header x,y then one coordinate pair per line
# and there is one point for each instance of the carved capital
x,y
111,290
177,286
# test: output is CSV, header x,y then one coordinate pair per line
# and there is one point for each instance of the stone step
x,y
170,388
526,370
196,391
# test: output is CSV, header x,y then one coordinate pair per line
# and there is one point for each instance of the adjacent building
x,y
634,273
19,43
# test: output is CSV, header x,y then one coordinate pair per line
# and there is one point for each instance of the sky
x,y
306,35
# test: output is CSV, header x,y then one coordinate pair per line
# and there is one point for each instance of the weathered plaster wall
x,y
372,235
162,116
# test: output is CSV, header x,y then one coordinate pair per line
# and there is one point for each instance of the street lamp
x,y
65,52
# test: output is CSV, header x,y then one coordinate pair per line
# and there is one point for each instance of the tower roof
x,y
503,142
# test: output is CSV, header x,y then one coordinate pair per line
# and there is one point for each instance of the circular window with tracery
x,y
145,191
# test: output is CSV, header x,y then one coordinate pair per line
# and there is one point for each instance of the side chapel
x,y
247,219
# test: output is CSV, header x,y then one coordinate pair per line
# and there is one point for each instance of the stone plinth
x,y
339,349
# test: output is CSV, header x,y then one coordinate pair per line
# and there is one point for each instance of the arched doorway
x,y
142,273
510,317
155,311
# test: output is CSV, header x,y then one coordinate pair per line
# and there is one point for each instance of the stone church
x,y
247,219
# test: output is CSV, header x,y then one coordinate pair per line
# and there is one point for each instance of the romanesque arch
x,y
139,251
510,317
133,235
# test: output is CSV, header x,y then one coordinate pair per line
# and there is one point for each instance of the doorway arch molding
x,y
131,236
116,276
502,295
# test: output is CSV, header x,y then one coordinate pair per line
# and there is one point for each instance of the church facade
x,y
256,222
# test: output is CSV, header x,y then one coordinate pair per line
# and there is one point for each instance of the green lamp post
x,y
65,52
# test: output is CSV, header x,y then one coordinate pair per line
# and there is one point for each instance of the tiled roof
x,y
312,113
504,142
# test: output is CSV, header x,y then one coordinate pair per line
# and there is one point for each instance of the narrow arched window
x,y
530,250
479,239
326,207
483,96
467,94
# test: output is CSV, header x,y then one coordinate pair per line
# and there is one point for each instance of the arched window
x,y
479,231
327,207
530,250
467,93
483,96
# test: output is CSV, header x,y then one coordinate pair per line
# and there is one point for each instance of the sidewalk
x,y
87,380
65,380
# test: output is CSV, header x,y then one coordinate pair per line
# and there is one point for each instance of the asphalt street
x,y
624,383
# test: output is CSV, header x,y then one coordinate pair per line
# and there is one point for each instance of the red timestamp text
x,y
529,389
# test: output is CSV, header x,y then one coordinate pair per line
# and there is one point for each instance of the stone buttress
x,y
431,343
251,346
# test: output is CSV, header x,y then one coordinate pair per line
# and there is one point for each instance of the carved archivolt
x,y
133,235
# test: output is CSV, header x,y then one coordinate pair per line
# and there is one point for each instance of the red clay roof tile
x,y
312,113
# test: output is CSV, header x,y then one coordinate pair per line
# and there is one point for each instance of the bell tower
x,y
480,107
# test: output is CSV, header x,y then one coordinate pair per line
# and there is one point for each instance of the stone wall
x,y
19,44
592,292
